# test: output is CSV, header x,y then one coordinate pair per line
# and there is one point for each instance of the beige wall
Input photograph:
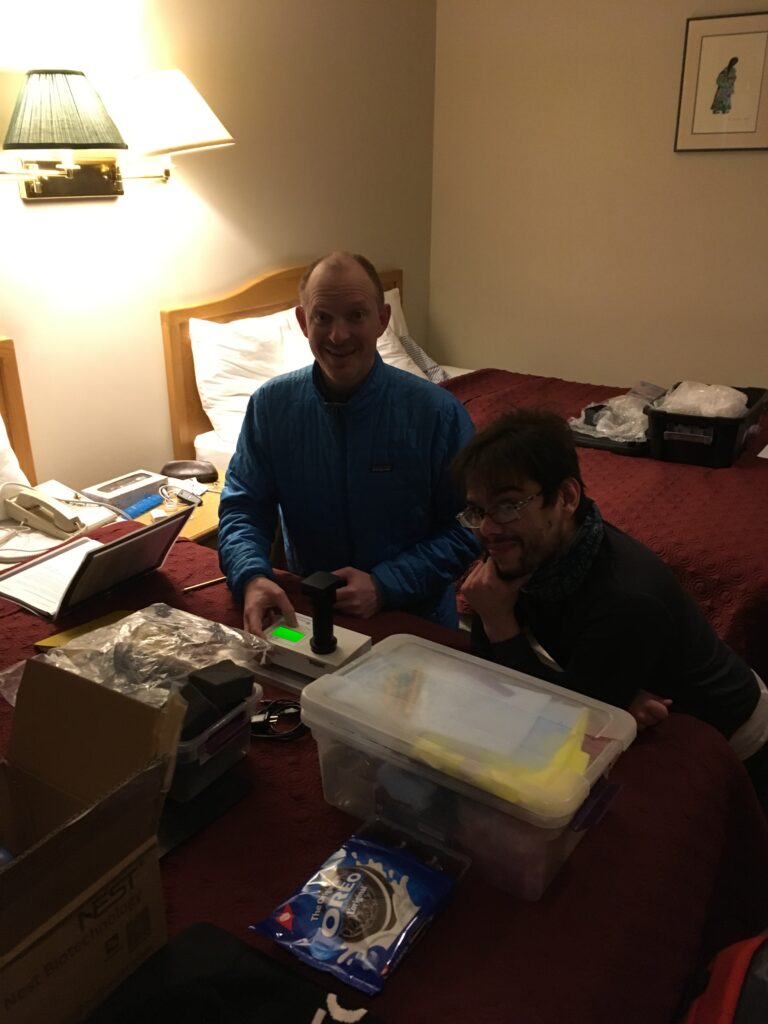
x,y
331,105
568,237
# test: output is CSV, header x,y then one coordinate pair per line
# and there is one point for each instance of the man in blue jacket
x,y
353,457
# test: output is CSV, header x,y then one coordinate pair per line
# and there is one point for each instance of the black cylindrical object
x,y
321,589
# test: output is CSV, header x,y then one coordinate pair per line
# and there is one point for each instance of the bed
x,y
674,871
707,524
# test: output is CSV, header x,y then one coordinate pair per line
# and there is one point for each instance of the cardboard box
x,y
80,797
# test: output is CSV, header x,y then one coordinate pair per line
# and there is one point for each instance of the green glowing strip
x,y
284,633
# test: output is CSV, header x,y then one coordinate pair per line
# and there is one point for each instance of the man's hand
x,y
648,709
494,600
359,596
264,602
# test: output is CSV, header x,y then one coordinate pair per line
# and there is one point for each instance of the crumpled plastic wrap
x,y
145,653
695,399
621,418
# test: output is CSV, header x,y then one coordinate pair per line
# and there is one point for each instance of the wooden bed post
x,y
12,408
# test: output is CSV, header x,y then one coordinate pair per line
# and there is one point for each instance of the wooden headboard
x,y
12,408
266,294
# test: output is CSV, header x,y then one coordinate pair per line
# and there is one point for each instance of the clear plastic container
x,y
491,762
205,757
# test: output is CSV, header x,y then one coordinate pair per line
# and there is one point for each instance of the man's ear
x,y
570,492
385,312
301,316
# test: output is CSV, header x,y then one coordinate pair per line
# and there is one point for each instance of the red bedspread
x,y
709,525
675,869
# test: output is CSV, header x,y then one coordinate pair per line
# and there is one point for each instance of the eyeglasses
x,y
505,512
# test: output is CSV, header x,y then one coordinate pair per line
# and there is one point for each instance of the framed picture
x,y
724,84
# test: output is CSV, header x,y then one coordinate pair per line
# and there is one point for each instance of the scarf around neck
x,y
562,577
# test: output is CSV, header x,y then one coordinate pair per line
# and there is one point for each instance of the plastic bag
x,y
359,914
697,399
621,418
143,654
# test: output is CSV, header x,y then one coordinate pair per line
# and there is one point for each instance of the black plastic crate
x,y
715,441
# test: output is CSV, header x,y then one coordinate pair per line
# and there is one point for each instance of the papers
x,y
16,544
42,584
763,454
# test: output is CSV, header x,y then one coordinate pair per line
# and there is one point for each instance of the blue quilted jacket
x,y
363,483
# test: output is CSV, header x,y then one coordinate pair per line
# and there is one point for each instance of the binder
x,y
54,583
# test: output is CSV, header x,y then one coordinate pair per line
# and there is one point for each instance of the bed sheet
x,y
674,871
212,447
709,525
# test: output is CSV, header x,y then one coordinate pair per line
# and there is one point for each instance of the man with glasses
x,y
564,596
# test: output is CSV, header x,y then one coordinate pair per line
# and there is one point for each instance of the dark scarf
x,y
562,577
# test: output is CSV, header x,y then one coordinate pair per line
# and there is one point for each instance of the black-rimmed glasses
x,y
503,512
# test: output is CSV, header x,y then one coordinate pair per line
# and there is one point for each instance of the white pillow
x,y
231,360
391,351
10,470
397,318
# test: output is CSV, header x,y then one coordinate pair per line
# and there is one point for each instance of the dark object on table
x,y
714,441
225,684
206,975
217,728
185,469
321,589
181,819
278,719
201,713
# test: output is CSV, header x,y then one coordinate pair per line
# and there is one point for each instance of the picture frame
x,y
723,103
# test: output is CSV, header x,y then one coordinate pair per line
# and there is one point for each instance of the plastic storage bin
x,y
205,757
492,763
715,441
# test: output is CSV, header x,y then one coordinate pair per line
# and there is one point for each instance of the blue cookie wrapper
x,y
359,914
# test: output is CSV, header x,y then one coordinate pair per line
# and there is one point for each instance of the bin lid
x,y
533,746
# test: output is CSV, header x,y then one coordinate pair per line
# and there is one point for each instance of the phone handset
x,y
42,513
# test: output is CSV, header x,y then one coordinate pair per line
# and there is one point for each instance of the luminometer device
x,y
293,648
313,647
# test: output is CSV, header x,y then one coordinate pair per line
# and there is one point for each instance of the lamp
x,y
162,113
58,113
59,116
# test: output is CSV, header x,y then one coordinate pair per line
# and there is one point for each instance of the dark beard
x,y
510,577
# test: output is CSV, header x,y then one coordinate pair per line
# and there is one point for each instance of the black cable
x,y
278,720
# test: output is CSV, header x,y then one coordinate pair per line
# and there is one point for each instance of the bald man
x,y
352,457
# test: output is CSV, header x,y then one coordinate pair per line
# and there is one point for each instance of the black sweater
x,y
630,626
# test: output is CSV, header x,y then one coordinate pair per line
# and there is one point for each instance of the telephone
x,y
43,513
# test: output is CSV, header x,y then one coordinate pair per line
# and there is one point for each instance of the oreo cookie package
x,y
359,914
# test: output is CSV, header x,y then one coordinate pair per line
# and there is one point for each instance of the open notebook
x,y
55,582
